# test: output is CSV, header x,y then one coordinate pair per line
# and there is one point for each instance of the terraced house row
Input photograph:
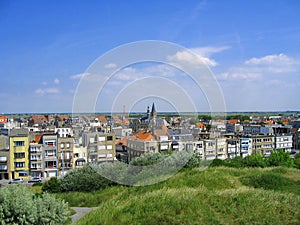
x,y
47,154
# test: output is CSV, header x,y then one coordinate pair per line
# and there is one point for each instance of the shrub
x,y
280,158
194,161
255,160
217,162
84,179
237,162
52,186
18,205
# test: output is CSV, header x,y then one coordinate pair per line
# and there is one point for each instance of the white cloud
x,y
44,83
44,91
79,76
56,81
258,68
190,58
110,66
209,50
270,60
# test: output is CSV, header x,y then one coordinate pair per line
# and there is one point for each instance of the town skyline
x,y
252,50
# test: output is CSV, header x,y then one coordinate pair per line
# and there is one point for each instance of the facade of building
x,y
284,142
36,159
101,147
19,155
50,155
65,154
4,157
246,146
263,144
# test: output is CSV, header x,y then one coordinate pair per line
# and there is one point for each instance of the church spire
x,y
153,111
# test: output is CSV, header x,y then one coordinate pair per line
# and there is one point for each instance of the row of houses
x,y
211,148
53,150
51,154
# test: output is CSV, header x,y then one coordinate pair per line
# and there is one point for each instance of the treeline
x,y
277,158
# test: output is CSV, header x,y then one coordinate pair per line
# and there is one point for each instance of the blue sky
x,y
252,48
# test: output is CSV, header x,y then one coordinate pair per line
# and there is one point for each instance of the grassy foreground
x,y
213,196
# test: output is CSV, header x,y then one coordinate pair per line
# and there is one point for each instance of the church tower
x,y
153,111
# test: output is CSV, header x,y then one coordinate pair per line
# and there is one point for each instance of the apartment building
x,y
101,147
19,155
233,148
263,144
4,157
141,143
284,142
246,146
36,159
65,154
50,155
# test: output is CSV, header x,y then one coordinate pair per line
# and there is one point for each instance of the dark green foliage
x,y
147,159
237,162
255,160
217,162
239,117
52,186
194,161
37,184
297,163
280,158
271,181
84,179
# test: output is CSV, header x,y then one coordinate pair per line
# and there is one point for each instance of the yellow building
x,y
19,153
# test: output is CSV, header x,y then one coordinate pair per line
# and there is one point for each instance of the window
x,y
19,143
19,155
50,153
68,144
19,164
101,138
101,147
109,138
92,140
109,147
3,158
3,167
62,145
50,164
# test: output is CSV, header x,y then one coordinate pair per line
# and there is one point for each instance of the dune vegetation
x,y
217,195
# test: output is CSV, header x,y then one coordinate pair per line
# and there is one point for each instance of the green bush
x,y
237,162
84,179
217,162
52,186
280,158
194,161
255,160
18,205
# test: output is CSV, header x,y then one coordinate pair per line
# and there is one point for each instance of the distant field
x,y
213,196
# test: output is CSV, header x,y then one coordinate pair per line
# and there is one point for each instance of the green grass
x,y
213,196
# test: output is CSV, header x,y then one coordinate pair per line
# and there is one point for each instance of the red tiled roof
x,y
143,135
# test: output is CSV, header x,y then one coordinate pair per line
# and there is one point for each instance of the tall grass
x,y
213,196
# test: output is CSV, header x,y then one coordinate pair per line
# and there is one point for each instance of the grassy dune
x,y
212,196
